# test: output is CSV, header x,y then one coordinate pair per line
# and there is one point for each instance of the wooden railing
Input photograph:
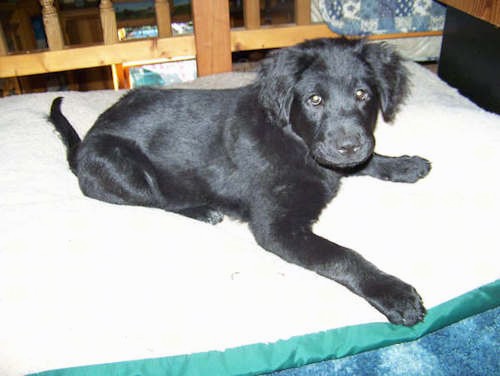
x,y
212,43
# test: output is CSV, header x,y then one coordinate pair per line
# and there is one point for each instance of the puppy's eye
x,y
361,95
315,100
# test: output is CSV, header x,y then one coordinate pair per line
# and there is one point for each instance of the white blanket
x,y
85,282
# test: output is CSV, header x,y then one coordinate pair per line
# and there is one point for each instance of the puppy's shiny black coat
x,y
271,154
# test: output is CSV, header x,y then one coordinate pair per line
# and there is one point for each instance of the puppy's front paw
x,y
410,169
398,301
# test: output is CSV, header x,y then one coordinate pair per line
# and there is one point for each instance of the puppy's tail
x,y
68,134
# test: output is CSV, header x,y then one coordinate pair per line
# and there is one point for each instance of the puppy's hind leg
x,y
115,170
203,213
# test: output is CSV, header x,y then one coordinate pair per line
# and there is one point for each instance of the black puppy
x,y
271,154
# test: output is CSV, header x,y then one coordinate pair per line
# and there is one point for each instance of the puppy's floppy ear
x,y
277,76
390,75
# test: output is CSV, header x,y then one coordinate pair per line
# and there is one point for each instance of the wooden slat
x,y
163,20
251,13
120,77
487,10
24,30
274,37
52,26
108,22
283,36
212,30
10,86
3,42
94,56
302,12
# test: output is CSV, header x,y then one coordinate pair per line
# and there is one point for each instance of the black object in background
x,y
470,58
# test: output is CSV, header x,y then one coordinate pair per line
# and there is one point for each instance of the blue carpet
x,y
469,347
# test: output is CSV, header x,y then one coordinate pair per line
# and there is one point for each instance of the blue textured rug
x,y
469,347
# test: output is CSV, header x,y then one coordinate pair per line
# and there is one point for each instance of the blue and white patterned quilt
x,y
365,17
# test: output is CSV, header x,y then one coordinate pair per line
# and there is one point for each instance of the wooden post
x,y
4,50
52,26
163,20
212,36
24,31
108,22
302,12
251,13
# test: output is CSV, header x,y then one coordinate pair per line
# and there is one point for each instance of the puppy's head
x,y
329,92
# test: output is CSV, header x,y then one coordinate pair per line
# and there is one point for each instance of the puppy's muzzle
x,y
344,152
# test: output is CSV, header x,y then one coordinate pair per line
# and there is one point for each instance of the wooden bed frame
x,y
212,43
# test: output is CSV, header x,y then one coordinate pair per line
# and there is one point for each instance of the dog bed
x,y
89,288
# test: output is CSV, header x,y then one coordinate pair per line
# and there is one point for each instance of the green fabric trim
x,y
297,351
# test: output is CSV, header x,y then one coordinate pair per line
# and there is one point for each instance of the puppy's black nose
x,y
348,147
